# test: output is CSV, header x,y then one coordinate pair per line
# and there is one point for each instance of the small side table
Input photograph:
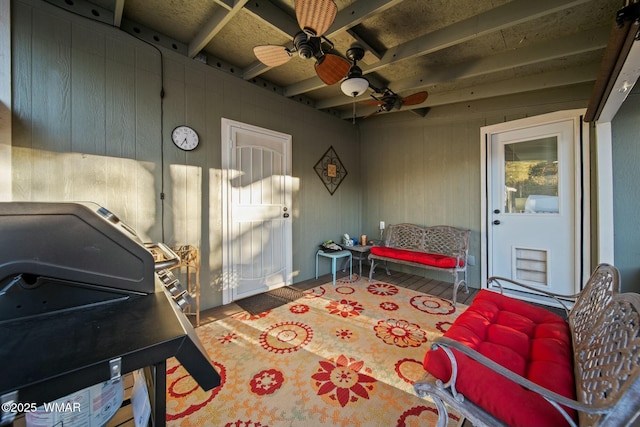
x,y
334,256
359,253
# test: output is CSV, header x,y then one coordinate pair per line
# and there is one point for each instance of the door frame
x,y
582,217
226,204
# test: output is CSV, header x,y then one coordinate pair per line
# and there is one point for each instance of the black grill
x,y
78,290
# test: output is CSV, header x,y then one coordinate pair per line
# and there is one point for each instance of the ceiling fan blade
x,y
373,102
272,55
415,99
315,15
332,68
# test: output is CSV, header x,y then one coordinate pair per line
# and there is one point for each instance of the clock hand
x,y
185,141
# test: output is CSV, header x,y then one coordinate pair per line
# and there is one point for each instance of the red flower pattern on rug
x,y
345,334
383,289
228,337
286,337
315,292
345,308
389,306
182,387
348,365
400,333
433,305
343,380
443,326
418,413
299,308
410,370
266,382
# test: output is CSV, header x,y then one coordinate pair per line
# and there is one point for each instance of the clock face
x,y
185,138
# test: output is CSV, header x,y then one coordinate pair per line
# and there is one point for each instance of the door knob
x,y
496,211
285,215
496,222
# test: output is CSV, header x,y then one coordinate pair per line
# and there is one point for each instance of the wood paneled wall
x,y
89,124
626,193
5,101
426,171
430,175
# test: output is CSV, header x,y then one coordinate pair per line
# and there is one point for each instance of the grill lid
x,y
79,242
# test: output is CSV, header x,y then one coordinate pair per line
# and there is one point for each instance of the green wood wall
x,y
626,191
89,124
426,170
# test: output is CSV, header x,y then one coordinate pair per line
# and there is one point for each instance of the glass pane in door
x,y
531,176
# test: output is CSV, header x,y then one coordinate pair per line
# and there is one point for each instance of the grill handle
x,y
171,258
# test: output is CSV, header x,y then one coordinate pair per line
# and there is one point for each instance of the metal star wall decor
x,y
330,170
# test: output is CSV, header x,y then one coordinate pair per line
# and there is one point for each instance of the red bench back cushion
x,y
530,341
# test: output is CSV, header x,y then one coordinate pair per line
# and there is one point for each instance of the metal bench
x,y
604,357
440,247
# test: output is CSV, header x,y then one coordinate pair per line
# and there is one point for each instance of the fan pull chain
x,y
354,110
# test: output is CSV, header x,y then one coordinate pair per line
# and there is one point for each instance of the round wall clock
x,y
185,138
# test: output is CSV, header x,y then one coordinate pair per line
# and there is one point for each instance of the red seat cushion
x,y
530,341
435,260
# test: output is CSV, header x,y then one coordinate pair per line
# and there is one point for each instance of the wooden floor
x,y
405,280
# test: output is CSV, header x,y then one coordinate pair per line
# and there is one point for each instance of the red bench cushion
x,y
435,260
530,341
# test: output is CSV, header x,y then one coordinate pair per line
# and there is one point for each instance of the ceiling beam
x,y
583,42
540,81
495,19
346,18
578,43
357,12
118,8
518,105
274,16
227,4
217,22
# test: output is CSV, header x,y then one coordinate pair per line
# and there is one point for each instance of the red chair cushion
x,y
435,260
530,341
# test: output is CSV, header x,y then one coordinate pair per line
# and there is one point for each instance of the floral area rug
x,y
340,356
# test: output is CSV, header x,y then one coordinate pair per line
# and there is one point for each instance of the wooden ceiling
x,y
456,50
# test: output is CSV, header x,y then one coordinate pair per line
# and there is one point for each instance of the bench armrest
x,y
560,298
555,399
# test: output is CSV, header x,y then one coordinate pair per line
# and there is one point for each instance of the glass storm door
x,y
532,214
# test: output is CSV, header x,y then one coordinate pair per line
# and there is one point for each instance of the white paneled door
x,y
257,240
533,205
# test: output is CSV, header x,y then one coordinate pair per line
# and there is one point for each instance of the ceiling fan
x,y
314,18
387,100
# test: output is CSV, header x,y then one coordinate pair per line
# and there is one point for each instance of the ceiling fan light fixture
x,y
354,86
